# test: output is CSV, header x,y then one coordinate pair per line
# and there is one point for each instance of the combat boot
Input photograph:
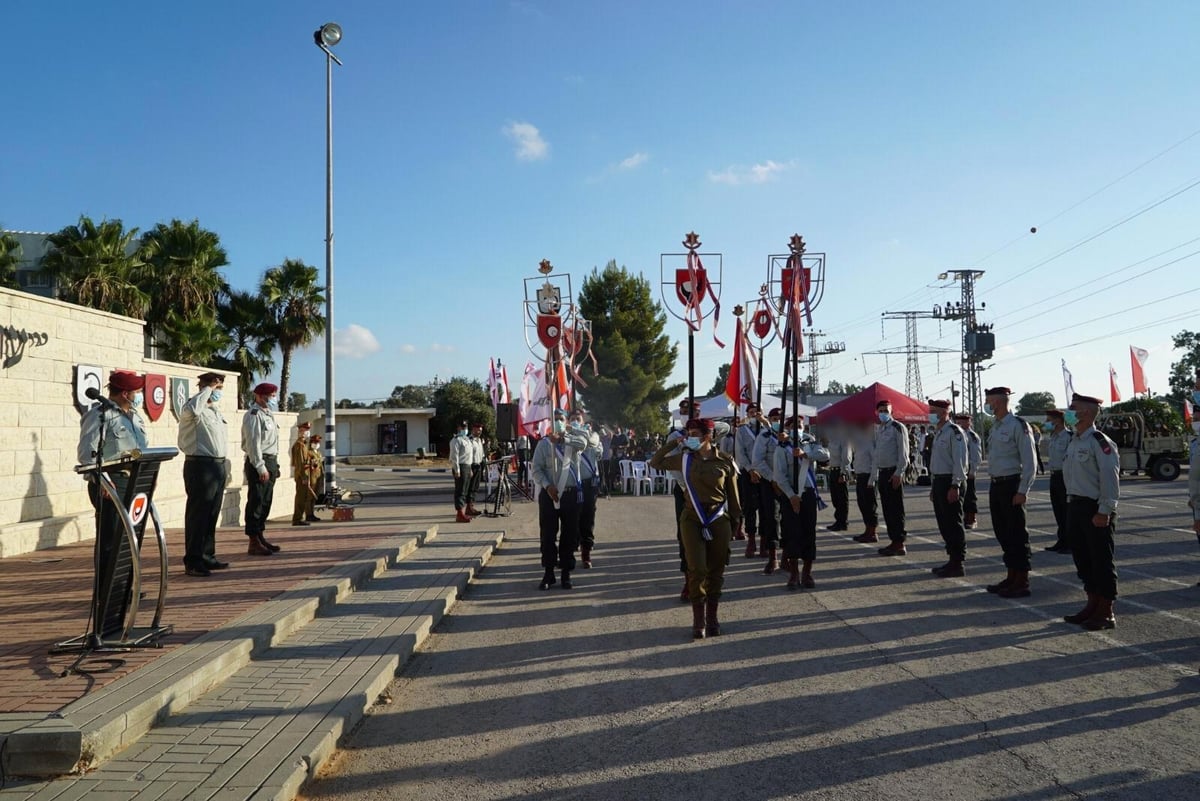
x,y
1103,617
968,520
952,569
772,563
1019,588
585,557
806,579
868,536
713,626
461,517
698,621
740,534
1084,614
548,580
684,594
1003,584
750,549
793,568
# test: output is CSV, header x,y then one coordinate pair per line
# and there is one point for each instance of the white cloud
x,y
530,144
407,348
354,342
757,174
634,161
439,348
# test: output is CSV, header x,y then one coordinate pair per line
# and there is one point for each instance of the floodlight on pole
x,y
326,37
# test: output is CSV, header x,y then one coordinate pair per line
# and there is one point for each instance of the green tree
x,y
633,355
294,318
181,275
410,396
242,318
297,401
346,403
461,399
1184,371
718,387
97,266
193,339
1156,412
1034,403
10,256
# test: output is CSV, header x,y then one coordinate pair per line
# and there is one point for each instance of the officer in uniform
x,y
260,444
1058,438
558,510
948,471
303,467
688,410
841,455
863,445
478,457
1012,466
1091,471
318,483
590,476
461,454
743,456
204,440
974,459
794,473
890,459
763,465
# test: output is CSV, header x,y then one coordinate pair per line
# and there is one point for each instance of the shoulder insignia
x,y
254,410
1105,444
1024,423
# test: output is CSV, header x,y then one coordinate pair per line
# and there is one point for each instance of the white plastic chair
x,y
664,476
626,467
641,477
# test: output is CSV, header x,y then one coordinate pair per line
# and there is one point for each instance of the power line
x,y
1091,340
1172,296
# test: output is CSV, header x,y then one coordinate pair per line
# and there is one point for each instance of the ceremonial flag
x,y
1137,360
564,388
1068,384
505,395
1114,393
797,308
1187,411
742,383
535,402
492,381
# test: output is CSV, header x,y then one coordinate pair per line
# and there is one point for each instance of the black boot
x,y
712,626
548,580
566,580
698,621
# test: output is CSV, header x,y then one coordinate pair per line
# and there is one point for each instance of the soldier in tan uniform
x,y
303,467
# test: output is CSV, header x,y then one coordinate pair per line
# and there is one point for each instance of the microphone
x,y
94,394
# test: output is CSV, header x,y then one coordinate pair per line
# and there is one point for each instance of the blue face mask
x,y
1070,417
987,409
559,426
884,417
462,432
776,426
1047,427
138,400
692,443
933,418
273,404
215,397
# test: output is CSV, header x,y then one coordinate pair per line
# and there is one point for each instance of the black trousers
x,y
768,514
892,500
868,503
204,483
949,517
748,495
587,516
559,529
680,503
522,465
476,476
970,499
1058,502
839,493
1008,522
1093,548
462,482
260,494
799,530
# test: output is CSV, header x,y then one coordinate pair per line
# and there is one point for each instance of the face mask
x,y
1047,427
884,417
462,432
215,397
987,409
559,426
1070,417
776,427
692,443
273,404
138,399
933,418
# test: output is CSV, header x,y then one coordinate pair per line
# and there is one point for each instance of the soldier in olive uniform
x,y
1091,472
794,472
974,459
1058,438
890,459
303,467
204,440
743,456
708,520
260,444
1012,466
948,472
763,460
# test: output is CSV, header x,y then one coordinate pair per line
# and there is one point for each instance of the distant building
x,y
363,432
30,277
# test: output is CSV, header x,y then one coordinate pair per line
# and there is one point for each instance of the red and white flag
x,y
1137,360
1114,393
535,402
1187,412
742,383
797,309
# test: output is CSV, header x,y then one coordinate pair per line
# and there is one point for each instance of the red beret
x,y
305,424
776,412
265,388
882,403
962,417
998,391
702,423
125,380
1077,398
941,404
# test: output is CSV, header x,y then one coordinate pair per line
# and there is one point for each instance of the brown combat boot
x,y
698,621
1002,584
793,568
461,517
740,534
868,536
1084,614
585,557
1103,617
1019,588
772,563
713,626
750,549
684,594
806,579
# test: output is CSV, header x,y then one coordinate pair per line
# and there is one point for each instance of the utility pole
x,y
912,350
811,358
978,341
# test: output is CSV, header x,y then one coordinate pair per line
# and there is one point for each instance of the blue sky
x,y
473,139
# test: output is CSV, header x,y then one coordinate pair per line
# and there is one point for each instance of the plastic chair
x,y
641,477
626,466
668,480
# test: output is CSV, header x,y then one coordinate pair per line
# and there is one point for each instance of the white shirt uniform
x,y
1092,470
1010,452
891,446
203,430
260,436
123,431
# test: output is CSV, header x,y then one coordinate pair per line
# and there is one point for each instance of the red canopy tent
x,y
860,407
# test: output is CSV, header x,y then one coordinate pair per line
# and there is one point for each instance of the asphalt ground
x,y
883,682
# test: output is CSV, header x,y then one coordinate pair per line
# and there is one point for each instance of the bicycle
x,y
498,502
340,496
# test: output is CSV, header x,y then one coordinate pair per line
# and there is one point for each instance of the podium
x,y
122,489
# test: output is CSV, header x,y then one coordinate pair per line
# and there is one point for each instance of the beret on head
x,y
207,378
776,412
305,424
125,380
939,404
962,417
1077,398
882,403
700,424
1054,413
265,388
998,391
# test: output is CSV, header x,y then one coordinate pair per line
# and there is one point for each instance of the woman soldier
x,y
709,517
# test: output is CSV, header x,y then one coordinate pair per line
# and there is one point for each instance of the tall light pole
x,y
326,37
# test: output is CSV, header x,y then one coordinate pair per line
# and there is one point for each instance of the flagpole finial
x,y
544,267
692,241
738,311
796,245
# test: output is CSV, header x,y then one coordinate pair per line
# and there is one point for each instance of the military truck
x,y
1156,454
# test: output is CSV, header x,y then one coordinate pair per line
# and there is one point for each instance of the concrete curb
x,y
96,727
399,470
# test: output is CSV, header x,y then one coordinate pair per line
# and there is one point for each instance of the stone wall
x,y
43,502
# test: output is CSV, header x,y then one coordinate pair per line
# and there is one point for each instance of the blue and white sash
x,y
812,481
574,475
705,520
591,466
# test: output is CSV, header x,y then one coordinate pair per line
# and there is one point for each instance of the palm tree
x,y
242,318
197,339
181,274
96,266
294,301
10,256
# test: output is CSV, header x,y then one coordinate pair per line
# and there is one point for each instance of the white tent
x,y
719,406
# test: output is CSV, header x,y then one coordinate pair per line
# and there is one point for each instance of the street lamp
x,y
326,37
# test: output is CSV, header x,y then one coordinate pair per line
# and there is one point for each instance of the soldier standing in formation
x,y
478,457
1059,437
708,519
841,454
948,472
763,460
318,484
461,453
1091,472
260,444
743,457
974,459
1012,467
558,507
890,459
303,466
204,440
794,474
864,481
589,476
